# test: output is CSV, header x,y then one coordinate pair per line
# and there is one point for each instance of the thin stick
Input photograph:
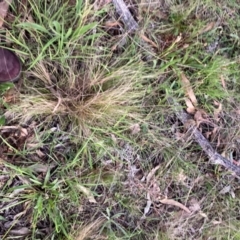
x,y
132,26
214,157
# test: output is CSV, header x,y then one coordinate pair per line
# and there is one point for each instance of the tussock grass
x,y
70,74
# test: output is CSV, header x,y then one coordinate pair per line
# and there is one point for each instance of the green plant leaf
x,y
2,120
33,26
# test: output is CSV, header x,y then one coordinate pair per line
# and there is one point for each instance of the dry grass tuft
x,y
91,230
92,94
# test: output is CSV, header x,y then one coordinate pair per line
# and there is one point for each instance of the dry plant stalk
x,y
214,157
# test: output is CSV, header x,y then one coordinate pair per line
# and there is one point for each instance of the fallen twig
x,y
132,26
125,15
174,203
214,157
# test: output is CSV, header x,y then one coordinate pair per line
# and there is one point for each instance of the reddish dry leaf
x,y
3,10
175,203
188,89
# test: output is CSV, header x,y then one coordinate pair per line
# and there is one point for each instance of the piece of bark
x,y
214,157
125,15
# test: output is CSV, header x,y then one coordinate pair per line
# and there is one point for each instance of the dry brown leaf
x,y
11,96
190,108
135,128
189,124
175,203
87,192
3,10
23,133
188,89
113,137
204,215
201,117
178,39
216,103
217,111
215,222
152,173
146,39
40,153
223,82
111,24
207,28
